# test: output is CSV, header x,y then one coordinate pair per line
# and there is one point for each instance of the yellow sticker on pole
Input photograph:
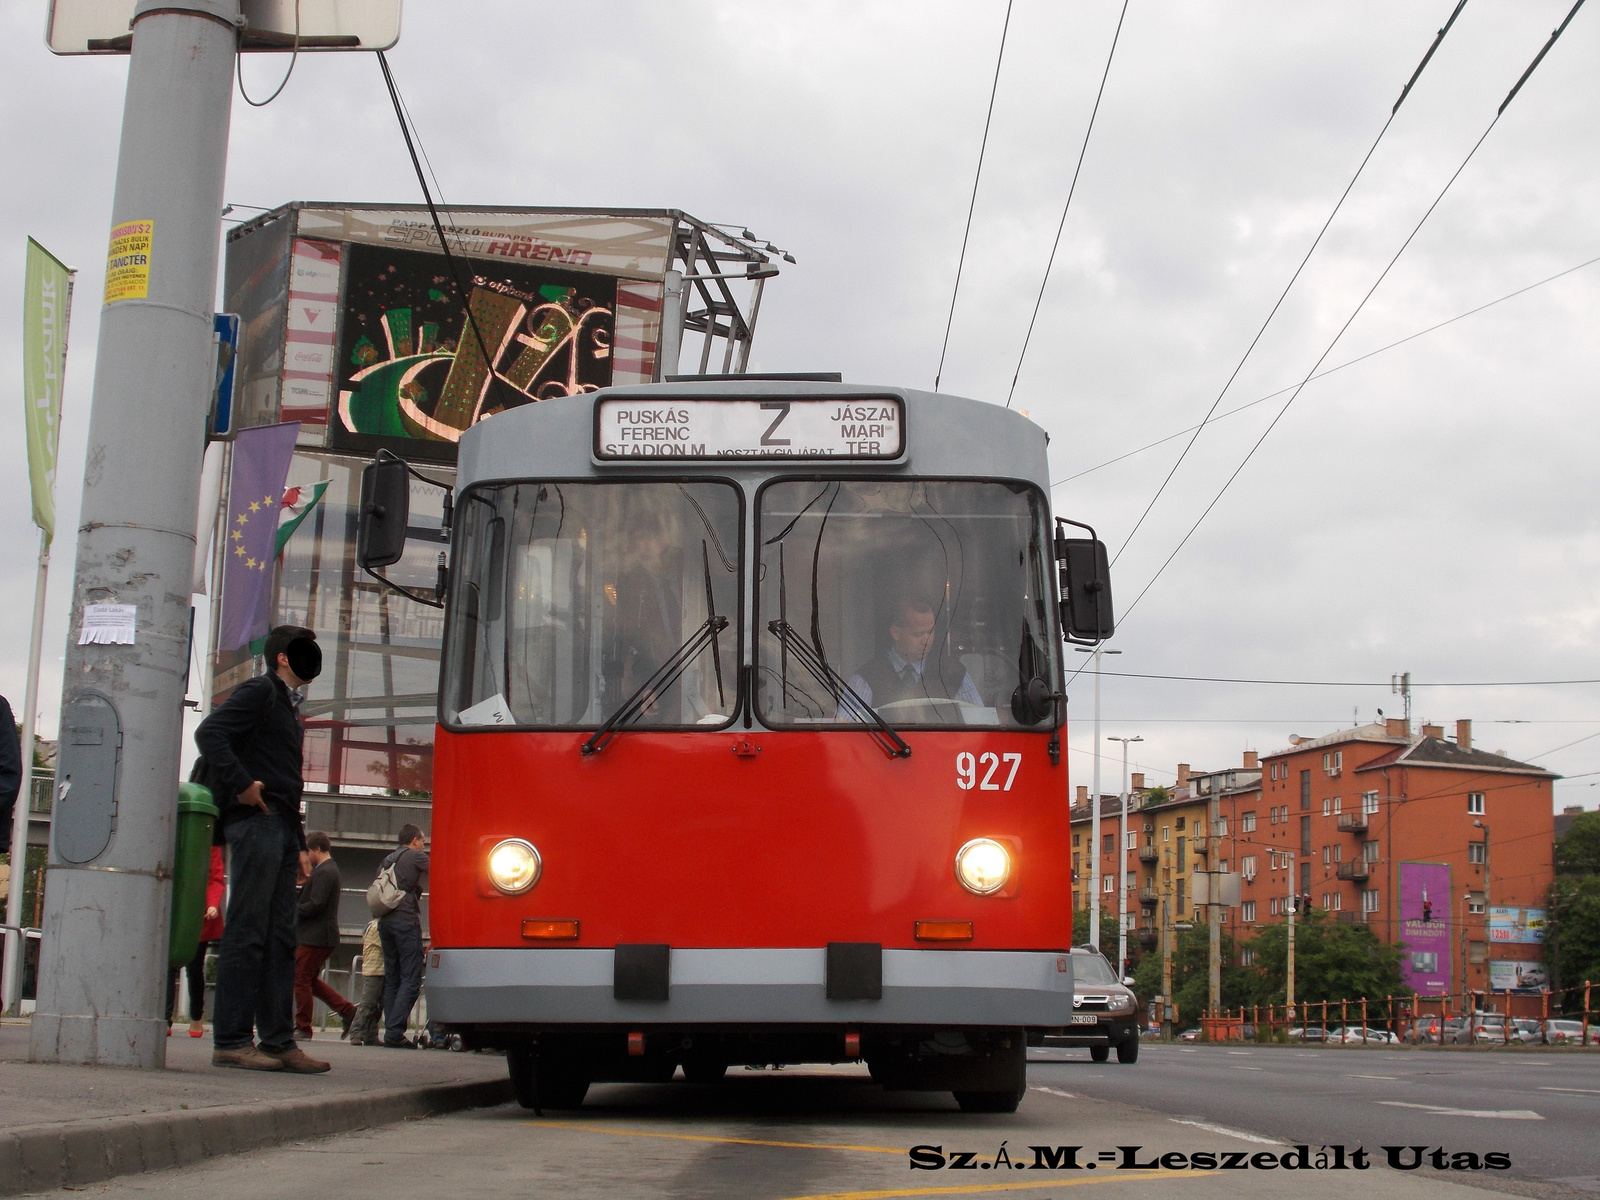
x,y
128,261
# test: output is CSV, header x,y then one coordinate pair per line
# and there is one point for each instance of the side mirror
x,y
1085,589
1127,981
385,508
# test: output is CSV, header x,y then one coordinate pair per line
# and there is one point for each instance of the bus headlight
x,y
983,866
514,866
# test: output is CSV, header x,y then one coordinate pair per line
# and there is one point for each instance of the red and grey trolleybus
x,y
749,736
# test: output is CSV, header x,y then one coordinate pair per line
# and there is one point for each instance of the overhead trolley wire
x,y
1250,349
1357,311
1331,370
973,203
1073,187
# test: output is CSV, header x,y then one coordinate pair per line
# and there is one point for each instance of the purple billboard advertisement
x,y
1425,927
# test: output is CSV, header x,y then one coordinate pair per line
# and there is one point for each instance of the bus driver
x,y
903,671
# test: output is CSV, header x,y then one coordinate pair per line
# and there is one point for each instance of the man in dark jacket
x,y
319,936
10,772
252,747
401,931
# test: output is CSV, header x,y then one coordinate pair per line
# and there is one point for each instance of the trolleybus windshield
x,y
570,597
929,597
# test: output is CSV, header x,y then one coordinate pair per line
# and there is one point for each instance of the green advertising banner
x,y
46,309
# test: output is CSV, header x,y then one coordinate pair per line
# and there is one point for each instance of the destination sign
x,y
786,427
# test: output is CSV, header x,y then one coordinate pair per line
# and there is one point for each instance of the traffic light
x,y
1427,910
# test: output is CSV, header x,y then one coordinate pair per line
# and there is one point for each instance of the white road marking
x,y
1585,1091
1509,1114
1249,1068
1226,1132
1245,1053
1372,1077
1053,1092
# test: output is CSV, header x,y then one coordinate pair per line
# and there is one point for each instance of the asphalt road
x,y
1540,1106
830,1134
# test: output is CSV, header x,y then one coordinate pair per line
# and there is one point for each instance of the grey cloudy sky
x,y
1429,509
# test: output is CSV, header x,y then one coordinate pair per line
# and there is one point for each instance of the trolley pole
x,y
1167,1004
1213,909
1289,960
1122,861
103,966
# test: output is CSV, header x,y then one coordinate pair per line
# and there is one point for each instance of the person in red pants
x,y
318,936
210,935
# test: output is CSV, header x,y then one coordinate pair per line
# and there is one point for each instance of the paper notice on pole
x,y
108,624
128,261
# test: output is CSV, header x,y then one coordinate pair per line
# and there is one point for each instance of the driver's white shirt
x,y
967,693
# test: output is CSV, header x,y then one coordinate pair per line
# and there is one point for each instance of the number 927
x,y
980,772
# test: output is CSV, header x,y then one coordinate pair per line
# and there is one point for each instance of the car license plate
x,y
1085,1019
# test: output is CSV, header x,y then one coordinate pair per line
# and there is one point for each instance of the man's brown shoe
x,y
297,1060
247,1057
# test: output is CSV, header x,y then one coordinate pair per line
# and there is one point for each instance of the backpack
x,y
384,894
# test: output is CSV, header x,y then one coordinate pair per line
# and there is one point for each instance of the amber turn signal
x,y
547,930
944,931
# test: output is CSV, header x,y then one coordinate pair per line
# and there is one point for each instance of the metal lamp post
x,y
1122,861
1094,806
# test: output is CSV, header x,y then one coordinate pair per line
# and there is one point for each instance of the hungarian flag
x,y
296,507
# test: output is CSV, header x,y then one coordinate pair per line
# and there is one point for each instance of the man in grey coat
x,y
401,931
318,931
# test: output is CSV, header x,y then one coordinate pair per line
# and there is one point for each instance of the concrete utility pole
x,y
1213,909
1094,807
1167,1005
102,974
1122,861
1289,965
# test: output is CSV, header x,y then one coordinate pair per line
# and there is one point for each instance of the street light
x,y
1122,861
1094,806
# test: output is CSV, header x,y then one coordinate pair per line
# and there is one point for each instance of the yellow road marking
x,y
1117,1177
701,1137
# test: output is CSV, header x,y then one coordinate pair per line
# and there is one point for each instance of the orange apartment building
x,y
1416,835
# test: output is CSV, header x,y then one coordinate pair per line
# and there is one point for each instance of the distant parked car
x,y
1310,1033
1456,1031
1189,1035
1426,1030
1526,1031
1559,1031
1488,1027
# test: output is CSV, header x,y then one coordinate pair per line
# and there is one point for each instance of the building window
x,y
1179,909
1108,843
1077,863
1109,882
1337,806
1179,822
1247,822
1475,903
1305,836
1077,840
1247,958
1166,833
1327,855
1327,806
1272,816
1247,914
1222,826
1327,762
1305,877
1247,866
1133,841
1182,864
1369,803
1305,789
1369,851
1338,901
1338,853
1475,953
1369,900
1274,905
1475,852
1327,901
1475,804
1223,866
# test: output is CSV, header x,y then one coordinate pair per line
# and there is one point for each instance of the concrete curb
x,y
41,1158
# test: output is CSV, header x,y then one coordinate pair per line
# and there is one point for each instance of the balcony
x,y
1149,854
1358,871
1149,897
1200,844
1350,918
1352,822
1149,938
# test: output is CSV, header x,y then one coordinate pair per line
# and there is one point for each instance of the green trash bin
x,y
191,868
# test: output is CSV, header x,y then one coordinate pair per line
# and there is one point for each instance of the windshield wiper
x,y
665,676
844,696
709,632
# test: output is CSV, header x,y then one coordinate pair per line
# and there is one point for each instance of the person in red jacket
x,y
210,931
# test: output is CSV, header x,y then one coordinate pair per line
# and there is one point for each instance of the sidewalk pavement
x,y
69,1125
